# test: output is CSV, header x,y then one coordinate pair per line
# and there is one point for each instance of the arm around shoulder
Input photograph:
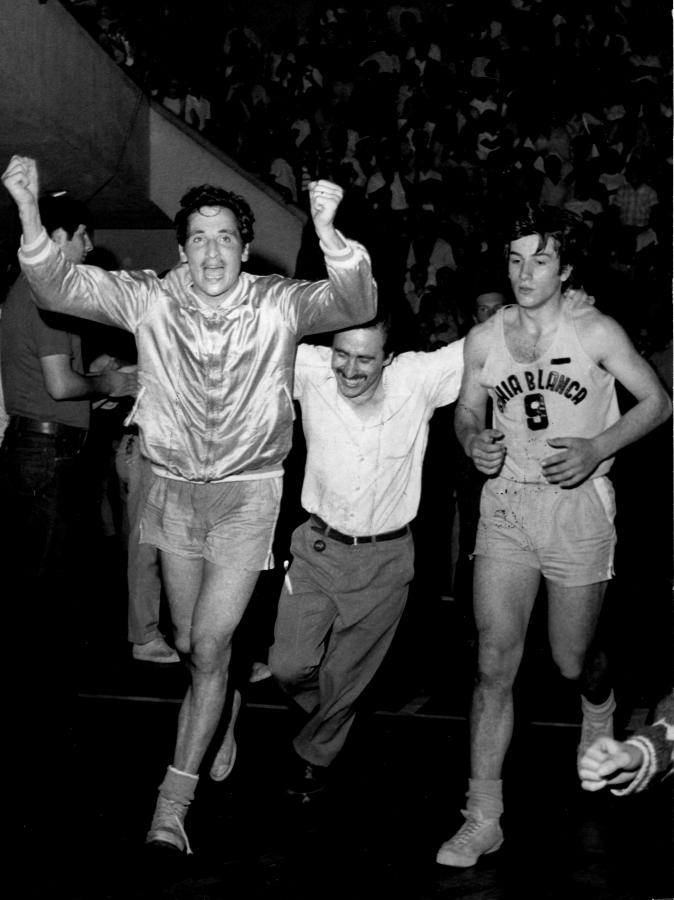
x,y
470,415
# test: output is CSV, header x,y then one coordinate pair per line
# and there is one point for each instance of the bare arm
x,y
21,180
63,383
324,200
609,346
113,298
484,445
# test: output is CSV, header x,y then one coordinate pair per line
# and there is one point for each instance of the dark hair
x,y
384,321
207,195
564,228
63,212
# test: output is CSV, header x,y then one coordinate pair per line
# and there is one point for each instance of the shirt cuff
x,y
339,255
35,250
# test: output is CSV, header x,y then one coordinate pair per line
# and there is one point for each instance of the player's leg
x,y
504,595
573,615
577,566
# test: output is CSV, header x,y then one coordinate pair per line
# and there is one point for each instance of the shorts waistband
x,y
323,528
35,426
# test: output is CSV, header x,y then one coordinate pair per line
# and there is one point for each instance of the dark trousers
x,y
40,500
41,503
337,616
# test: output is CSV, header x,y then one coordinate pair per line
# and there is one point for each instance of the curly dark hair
x,y
207,195
566,230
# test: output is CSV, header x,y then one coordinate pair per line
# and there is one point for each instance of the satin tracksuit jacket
x,y
215,387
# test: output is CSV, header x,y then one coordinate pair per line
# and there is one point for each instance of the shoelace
x,y
591,729
177,815
469,828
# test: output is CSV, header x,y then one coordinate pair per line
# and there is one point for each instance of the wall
x,y
180,159
67,104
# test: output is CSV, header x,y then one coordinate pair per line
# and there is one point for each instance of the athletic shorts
x,y
566,533
230,523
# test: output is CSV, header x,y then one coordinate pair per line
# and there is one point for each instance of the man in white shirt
x,y
365,416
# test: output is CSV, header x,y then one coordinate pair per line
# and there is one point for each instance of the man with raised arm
x,y
216,349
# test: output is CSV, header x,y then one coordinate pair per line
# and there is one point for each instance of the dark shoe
x,y
305,778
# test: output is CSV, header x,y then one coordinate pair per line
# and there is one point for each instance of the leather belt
x,y
35,426
323,528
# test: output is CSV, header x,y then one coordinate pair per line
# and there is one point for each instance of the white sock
x,y
485,796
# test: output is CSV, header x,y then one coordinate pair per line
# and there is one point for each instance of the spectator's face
x,y
75,248
214,252
534,271
358,361
487,304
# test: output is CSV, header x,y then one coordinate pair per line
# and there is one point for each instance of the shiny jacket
x,y
215,386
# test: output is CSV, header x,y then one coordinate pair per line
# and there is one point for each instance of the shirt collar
x,y
190,298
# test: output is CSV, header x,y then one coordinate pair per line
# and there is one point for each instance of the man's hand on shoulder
x,y
577,299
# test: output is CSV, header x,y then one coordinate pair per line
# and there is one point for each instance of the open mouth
x,y
214,274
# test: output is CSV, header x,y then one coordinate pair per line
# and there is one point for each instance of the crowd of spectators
x,y
437,117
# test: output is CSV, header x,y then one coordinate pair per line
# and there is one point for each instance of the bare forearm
x,y
73,386
31,224
63,383
634,424
468,423
330,238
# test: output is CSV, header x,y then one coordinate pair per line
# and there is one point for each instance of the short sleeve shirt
x,y
26,336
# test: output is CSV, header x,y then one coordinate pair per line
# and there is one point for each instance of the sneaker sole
x,y
156,662
166,839
291,792
449,858
220,773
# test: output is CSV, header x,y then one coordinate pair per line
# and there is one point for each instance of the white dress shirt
x,y
363,469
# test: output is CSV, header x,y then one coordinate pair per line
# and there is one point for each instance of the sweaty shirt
x,y
563,393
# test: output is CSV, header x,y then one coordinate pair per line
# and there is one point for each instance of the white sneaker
x,y
259,672
168,825
477,836
155,651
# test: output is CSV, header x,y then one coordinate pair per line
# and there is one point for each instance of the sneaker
x,y
304,778
224,760
155,651
259,672
477,836
167,825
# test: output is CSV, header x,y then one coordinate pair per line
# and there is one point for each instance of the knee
x,y
209,654
497,665
288,671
